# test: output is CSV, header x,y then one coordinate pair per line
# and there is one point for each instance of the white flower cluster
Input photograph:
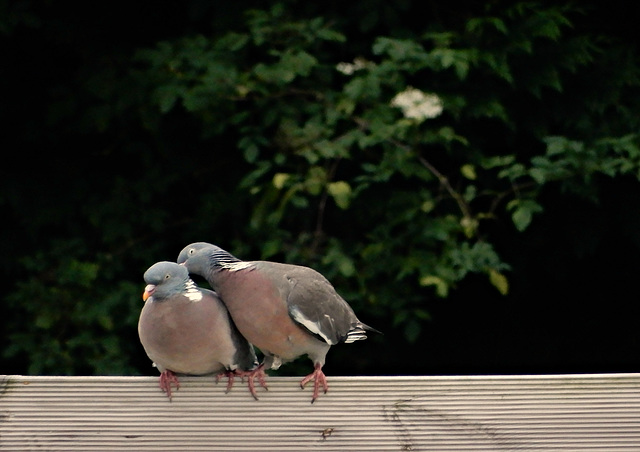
x,y
418,105
350,68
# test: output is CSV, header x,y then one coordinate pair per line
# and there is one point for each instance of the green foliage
x,y
383,169
330,131
66,314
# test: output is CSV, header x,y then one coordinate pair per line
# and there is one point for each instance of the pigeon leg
x,y
230,374
251,375
168,378
318,378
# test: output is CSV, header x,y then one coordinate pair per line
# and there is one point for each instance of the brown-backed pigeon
x,y
285,310
187,330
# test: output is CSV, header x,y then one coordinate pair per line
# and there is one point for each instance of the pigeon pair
x,y
285,310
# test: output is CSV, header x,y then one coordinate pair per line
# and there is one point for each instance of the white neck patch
x,y
192,292
235,266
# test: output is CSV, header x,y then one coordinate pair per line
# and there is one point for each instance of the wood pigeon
x,y
285,310
187,330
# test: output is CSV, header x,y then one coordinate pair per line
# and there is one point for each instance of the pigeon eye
x,y
191,251
167,276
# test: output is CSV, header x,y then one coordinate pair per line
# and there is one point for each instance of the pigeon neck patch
x,y
235,266
192,292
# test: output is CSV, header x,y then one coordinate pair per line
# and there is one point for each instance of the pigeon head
x,y
201,258
190,251
165,279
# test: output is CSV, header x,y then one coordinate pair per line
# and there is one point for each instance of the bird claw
x,y
318,378
251,375
168,378
230,375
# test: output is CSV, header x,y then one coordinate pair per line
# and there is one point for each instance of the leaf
x,y
279,179
315,180
442,288
335,257
422,314
428,205
538,174
398,49
341,193
468,171
521,218
498,161
523,211
274,73
499,281
477,24
232,42
251,153
469,226
299,63
331,35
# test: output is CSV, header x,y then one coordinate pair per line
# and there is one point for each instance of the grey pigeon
x,y
285,310
187,330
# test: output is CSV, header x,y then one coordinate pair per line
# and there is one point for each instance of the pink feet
x,y
168,378
230,374
251,375
319,379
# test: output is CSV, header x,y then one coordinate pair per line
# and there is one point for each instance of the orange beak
x,y
148,291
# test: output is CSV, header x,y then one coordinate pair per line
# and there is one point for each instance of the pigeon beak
x,y
148,291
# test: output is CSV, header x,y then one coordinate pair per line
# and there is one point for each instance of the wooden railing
x,y
403,413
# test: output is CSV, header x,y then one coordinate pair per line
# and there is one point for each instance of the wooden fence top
x,y
402,413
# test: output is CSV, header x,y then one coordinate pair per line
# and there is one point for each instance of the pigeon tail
x,y
356,334
359,333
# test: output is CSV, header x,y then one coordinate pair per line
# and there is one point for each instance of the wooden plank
x,y
444,413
